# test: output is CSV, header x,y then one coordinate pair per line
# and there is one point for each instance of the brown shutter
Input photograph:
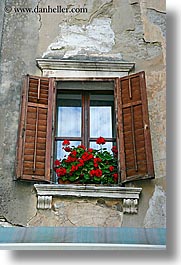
x,y
35,129
133,130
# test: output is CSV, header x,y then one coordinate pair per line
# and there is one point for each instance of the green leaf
x,y
86,176
97,179
73,178
64,178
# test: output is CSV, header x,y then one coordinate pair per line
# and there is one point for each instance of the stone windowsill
x,y
129,195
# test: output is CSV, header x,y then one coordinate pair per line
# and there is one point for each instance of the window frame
x,y
85,137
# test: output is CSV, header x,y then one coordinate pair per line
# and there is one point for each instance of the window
x,y
115,109
83,115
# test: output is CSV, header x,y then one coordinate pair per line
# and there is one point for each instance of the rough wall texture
x,y
157,208
18,53
125,29
79,212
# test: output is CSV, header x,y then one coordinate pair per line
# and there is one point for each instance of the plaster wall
x,y
127,30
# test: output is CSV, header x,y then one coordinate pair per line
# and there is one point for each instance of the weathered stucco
x,y
156,214
95,38
80,212
132,31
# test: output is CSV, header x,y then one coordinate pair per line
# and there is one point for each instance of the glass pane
x,y
101,116
60,153
107,145
69,115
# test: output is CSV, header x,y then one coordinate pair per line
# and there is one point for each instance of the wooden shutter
x,y
35,129
133,130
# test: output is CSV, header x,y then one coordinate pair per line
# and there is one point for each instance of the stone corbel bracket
x,y
44,202
129,195
130,205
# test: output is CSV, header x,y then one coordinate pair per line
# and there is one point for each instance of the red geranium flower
x,y
96,172
90,150
74,168
111,168
81,146
96,161
86,156
70,159
67,149
114,149
66,142
81,162
74,153
61,171
115,176
100,140
85,164
57,162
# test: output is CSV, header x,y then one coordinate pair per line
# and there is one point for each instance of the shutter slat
x,y
120,131
134,141
35,144
39,152
32,104
51,100
35,138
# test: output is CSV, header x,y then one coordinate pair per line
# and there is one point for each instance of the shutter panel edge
x,y
120,132
119,129
20,138
147,131
21,131
49,130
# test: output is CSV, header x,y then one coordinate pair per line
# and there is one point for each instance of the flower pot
x,y
60,181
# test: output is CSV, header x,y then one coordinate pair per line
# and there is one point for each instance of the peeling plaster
x,y
157,18
154,24
160,5
156,213
102,9
95,38
80,213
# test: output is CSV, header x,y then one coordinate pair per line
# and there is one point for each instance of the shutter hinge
x,y
146,126
23,132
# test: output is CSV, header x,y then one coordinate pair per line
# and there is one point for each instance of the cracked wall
x,y
80,212
130,30
156,213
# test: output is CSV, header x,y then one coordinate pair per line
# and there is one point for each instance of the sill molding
x,y
128,195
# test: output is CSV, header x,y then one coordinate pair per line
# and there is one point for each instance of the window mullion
x,y
85,120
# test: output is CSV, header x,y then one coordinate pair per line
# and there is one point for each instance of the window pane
x,y
69,115
101,116
107,145
60,153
